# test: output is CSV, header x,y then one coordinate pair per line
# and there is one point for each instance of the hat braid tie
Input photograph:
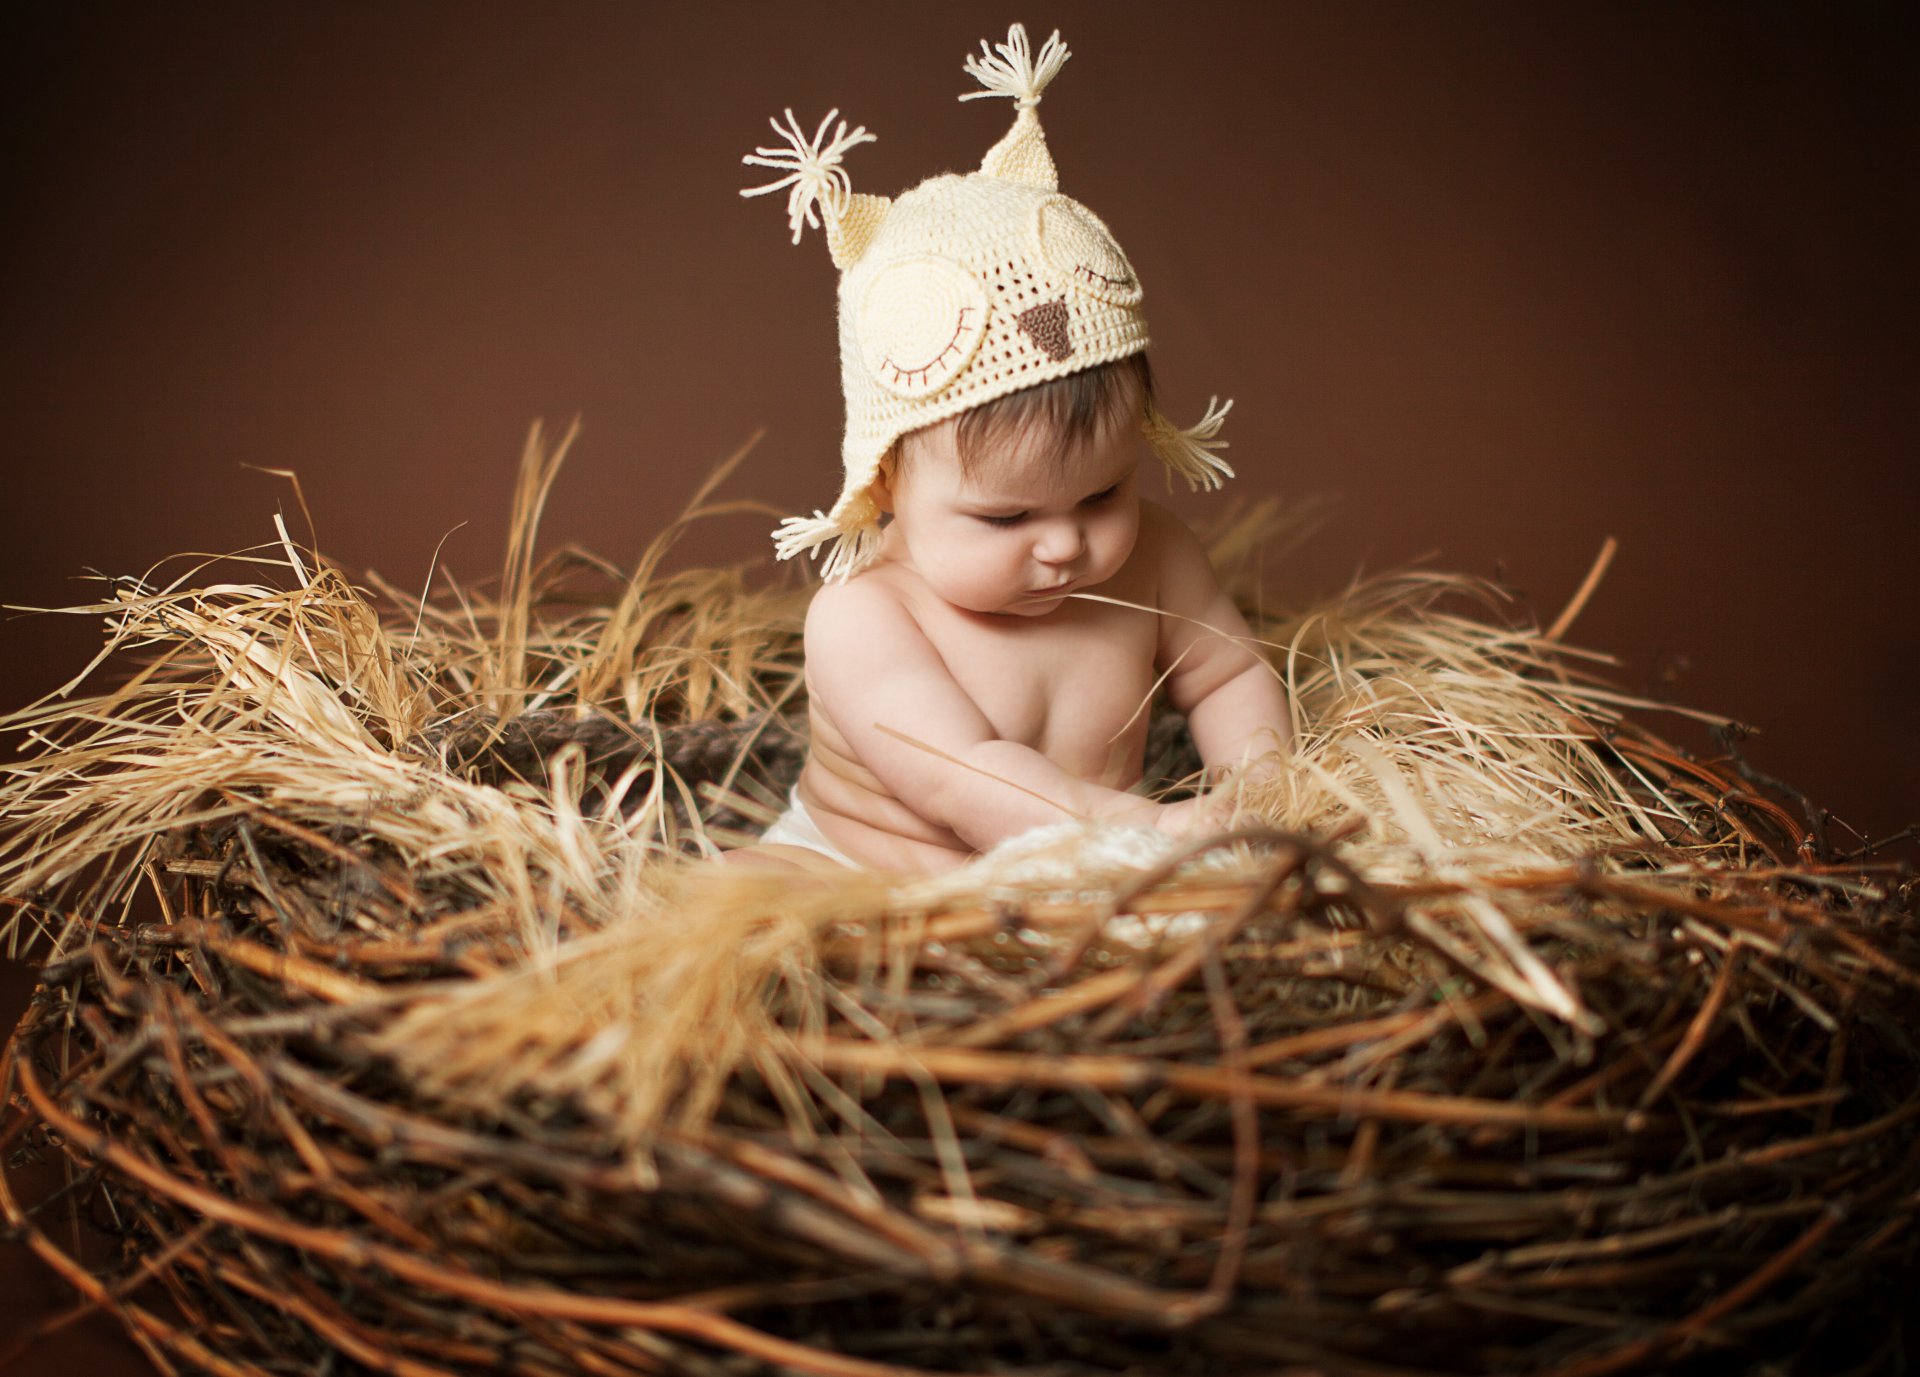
x,y
1189,452
812,168
850,548
1014,72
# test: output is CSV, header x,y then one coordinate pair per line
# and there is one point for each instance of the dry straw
x,y
388,1021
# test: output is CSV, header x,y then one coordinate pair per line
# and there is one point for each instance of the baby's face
x,y
1023,533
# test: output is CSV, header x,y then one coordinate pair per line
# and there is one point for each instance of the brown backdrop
x,y
1505,278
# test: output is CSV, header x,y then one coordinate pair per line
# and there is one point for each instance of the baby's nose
x,y
1060,542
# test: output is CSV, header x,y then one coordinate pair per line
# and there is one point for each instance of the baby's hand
x,y
1197,816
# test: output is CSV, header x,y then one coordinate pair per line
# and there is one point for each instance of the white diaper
x,y
796,827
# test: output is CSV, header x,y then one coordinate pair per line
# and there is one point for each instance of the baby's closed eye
x,y
1006,519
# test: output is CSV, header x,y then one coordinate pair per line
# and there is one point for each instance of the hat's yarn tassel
x,y
849,550
812,168
1189,452
1010,68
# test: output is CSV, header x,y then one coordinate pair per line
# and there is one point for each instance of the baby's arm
x,y
892,696
1233,700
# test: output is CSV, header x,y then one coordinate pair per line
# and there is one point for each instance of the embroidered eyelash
x,y
1099,278
900,375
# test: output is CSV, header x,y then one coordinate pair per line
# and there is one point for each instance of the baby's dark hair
x,y
1072,410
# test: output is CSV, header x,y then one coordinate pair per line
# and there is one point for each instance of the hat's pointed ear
x,y
815,183
1011,69
852,227
1022,155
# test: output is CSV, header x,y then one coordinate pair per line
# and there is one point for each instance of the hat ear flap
x,y
1011,69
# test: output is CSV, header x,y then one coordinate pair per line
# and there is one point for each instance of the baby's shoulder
x,y
859,635
854,609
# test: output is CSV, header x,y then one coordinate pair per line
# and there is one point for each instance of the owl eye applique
x,y
921,320
1077,247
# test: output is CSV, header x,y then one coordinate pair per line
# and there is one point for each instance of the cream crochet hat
x,y
963,289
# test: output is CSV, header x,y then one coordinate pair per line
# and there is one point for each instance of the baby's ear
x,y
881,488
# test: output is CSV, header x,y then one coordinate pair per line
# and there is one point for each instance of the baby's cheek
x,y
982,567
1122,530
1001,567
994,552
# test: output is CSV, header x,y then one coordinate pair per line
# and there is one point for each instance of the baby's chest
x,y
1074,688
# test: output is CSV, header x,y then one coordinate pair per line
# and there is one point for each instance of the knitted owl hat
x,y
964,289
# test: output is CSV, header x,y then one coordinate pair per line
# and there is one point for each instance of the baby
x,y
1000,603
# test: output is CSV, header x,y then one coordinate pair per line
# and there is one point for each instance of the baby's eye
x,y
1012,519
1103,495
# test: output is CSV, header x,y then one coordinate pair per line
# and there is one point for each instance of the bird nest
x,y
394,1017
